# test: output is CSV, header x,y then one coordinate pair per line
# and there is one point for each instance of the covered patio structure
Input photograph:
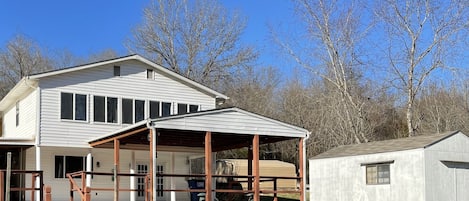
x,y
208,131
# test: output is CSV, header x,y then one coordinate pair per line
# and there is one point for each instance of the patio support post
x,y
208,166
250,167
301,171
89,165
255,157
133,186
116,169
153,156
173,185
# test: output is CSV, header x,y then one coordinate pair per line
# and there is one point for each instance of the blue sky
x,y
90,26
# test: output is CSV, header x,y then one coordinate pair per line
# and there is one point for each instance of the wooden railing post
x,y
71,191
87,194
33,185
2,185
48,193
275,189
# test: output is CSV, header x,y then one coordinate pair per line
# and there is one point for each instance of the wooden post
x,y
87,192
116,169
71,191
48,193
2,185
250,167
275,190
301,171
255,158
33,185
8,177
208,166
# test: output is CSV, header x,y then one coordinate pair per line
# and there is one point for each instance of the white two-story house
x,y
49,122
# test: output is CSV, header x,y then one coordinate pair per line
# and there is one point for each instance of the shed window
x,y
73,106
378,174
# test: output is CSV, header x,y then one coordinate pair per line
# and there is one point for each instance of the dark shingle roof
x,y
422,141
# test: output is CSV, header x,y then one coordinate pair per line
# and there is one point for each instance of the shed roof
x,y
401,144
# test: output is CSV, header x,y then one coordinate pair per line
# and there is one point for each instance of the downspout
x,y
304,164
153,173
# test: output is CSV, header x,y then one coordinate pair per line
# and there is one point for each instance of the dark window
x,y
59,167
139,110
117,71
73,106
378,174
68,164
99,109
154,109
127,105
111,110
80,107
193,108
17,106
182,108
150,74
66,106
166,109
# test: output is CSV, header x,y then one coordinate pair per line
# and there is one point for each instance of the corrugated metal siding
x,y
231,122
343,178
100,81
27,118
443,182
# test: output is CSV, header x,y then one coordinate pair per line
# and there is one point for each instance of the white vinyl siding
x,y
100,81
26,118
61,186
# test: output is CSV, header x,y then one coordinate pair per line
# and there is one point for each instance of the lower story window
x,y
378,174
68,164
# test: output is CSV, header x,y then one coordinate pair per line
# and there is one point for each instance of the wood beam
x,y
116,169
301,171
208,166
104,141
255,158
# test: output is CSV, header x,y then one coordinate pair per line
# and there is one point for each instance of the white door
x,y
143,169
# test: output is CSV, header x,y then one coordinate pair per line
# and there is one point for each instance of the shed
x,y
423,168
267,168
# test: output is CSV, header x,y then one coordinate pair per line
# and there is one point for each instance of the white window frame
x,y
377,165
106,110
133,109
87,116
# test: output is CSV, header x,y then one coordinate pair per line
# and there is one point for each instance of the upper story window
x,y
154,109
132,110
117,71
150,74
185,108
73,106
378,174
166,109
17,107
105,109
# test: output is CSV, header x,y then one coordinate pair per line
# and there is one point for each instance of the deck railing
x,y
228,189
35,176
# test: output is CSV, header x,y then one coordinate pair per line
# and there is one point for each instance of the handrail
x,y
34,175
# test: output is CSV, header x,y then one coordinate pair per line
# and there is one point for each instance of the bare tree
x,y
198,39
334,30
20,57
422,37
